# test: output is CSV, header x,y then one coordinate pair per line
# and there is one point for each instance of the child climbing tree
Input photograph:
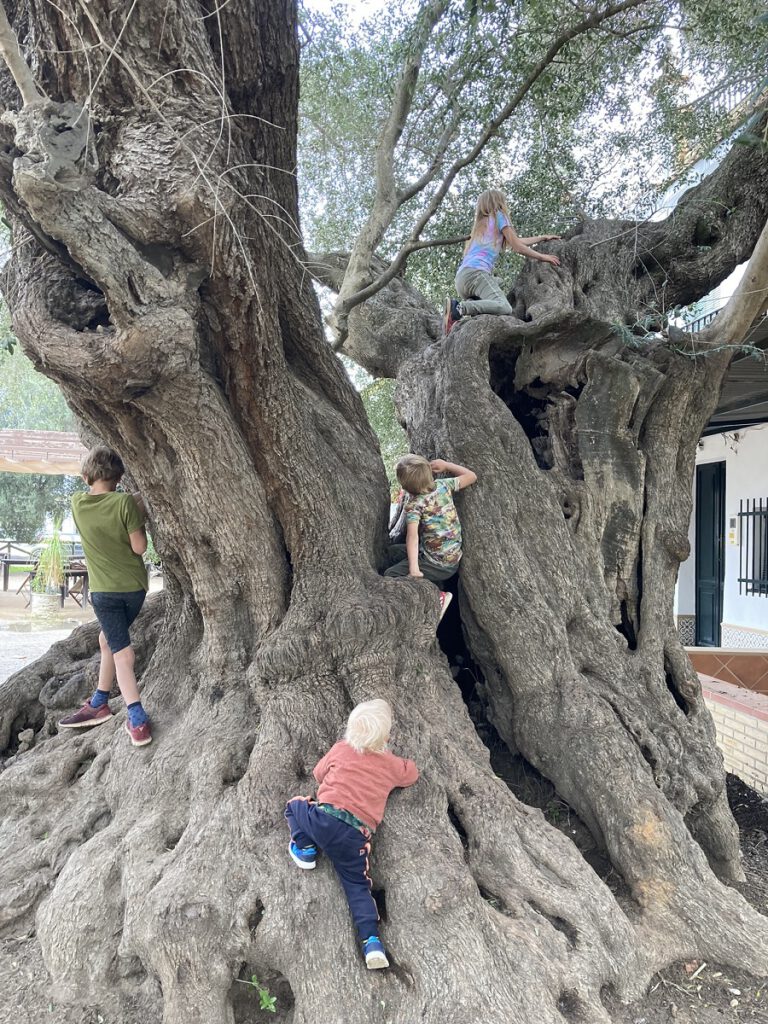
x,y
159,276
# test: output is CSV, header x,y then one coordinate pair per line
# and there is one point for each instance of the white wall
x,y
745,454
724,291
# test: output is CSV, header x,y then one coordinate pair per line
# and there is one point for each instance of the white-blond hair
x,y
369,725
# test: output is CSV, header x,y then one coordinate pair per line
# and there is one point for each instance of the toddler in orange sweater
x,y
355,778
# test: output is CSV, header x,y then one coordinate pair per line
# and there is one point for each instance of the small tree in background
x,y
28,499
30,401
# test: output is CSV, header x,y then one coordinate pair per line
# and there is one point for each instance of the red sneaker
x,y
140,735
86,716
445,599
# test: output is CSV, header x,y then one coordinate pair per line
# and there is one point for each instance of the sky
x,y
356,10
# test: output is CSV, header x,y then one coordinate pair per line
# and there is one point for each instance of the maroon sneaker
x,y
140,735
86,716
451,314
445,599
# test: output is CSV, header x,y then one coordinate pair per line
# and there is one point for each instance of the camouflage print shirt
x,y
439,526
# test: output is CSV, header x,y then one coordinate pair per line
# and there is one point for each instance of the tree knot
x,y
56,144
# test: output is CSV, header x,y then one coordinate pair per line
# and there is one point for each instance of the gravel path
x,y
18,648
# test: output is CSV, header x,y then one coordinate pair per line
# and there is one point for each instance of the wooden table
x,y
64,591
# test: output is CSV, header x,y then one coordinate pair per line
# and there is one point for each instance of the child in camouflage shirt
x,y
432,546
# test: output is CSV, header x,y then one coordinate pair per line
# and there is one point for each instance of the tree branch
x,y
22,76
402,100
748,301
443,143
348,297
433,243
387,200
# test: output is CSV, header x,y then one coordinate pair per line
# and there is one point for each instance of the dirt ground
x,y
709,994
692,993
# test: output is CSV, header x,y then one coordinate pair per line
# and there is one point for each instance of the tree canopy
x,y
28,400
583,111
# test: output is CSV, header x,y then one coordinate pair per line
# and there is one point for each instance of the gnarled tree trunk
x,y
158,275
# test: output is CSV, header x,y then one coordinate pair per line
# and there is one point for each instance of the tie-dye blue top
x,y
439,526
484,251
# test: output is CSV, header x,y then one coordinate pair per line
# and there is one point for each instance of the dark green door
x,y
710,552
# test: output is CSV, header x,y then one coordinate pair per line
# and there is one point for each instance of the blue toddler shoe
x,y
304,857
375,955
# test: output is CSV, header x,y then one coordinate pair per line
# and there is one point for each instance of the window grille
x,y
753,546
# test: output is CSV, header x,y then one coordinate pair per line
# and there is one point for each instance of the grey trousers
x,y
491,298
397,557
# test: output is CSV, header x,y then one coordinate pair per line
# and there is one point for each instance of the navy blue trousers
x,y
348,850
116,613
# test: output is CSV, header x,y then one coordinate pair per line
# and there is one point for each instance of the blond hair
x,y
369,726
102,463
415,474
489,203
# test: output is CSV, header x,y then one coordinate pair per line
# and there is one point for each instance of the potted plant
x,y
49,574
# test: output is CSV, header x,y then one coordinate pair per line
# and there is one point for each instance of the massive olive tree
x,y
158,275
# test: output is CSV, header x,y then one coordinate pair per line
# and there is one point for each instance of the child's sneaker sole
x,y
376,961
303,864
445,599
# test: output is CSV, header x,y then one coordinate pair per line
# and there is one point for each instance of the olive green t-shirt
x,y
104,522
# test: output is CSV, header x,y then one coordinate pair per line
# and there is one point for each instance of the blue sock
x,y
99,699
136,715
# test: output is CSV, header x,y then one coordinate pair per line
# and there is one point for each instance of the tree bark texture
x,y
158,276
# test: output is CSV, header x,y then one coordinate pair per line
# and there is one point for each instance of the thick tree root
x,y
194,881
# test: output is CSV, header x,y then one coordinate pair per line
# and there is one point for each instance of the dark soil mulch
x,y
686,993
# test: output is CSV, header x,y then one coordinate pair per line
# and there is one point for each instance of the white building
x,y
722,591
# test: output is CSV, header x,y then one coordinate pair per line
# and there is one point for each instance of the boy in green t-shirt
x,y
111,527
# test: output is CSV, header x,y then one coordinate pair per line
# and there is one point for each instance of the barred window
x,y
753,546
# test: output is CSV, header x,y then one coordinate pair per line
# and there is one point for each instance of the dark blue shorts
x,y
115,613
